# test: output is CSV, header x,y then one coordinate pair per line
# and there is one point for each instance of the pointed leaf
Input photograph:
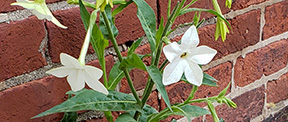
x,y
85,16
93,100
132,60
116,75
120,8
207,80
156,76
147,18
134,46
159,32
125,117
102,25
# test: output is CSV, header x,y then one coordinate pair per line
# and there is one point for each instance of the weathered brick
x,y
277,89
240,4
6,7
187,18
266,60
245,32
19,44
280,116
276,19
66,40
249,106
153,100
22,102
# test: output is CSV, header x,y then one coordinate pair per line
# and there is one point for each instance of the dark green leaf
x,y
156,76
85,16
146,112
120,8
206,10
102,25
159,32
93,100
134,46
69,117
116,75
132,60
147,19
125,117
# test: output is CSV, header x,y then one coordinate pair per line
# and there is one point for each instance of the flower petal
x,y
60,72
69,61
92,79
173,72
193,73
171,51
190,38
203,54
75,80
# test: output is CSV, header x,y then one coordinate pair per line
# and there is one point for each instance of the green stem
x,y
108,116
87,4
187,6
191,95
115,46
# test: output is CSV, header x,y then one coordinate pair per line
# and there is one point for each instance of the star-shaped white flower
x,y
40,10
79,74
184,58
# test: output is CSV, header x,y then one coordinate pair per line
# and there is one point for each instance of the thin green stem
x,y
108,116
187,6
115,46
163,65
191,95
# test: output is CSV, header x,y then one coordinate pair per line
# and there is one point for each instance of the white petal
x,y
190,38
173,72
69,61
193,73
92,79
171,51
41,12
75,80
95,84
60,72
203,54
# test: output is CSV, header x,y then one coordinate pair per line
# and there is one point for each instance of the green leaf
x,y
223,92
132,60
156,76
69,117
205,10
146,112
102,25
207,80
125,117
116,75
159,32
85,16
147,19
120,8
134,46
93,100
181,112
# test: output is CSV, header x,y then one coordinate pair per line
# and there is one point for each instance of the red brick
x,y
266,60
277,89
245,32
187,18
66,40
19,44
22,102
6,7
276,19
249,106
280,116
240,4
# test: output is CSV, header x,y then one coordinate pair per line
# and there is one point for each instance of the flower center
x,y
183,55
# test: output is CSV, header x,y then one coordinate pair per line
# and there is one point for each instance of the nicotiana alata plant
x,y
183,63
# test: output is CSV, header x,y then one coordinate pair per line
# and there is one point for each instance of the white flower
x,y
40,10
184,58
79,74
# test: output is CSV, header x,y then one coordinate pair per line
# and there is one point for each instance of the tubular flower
x,y
79,74
102,4
221,28
184,58
40,10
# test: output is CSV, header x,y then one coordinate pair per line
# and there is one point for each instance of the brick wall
x,y
254,58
